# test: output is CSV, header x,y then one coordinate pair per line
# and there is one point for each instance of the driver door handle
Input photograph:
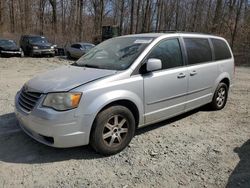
x,y
193,73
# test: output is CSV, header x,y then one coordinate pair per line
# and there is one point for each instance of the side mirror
x,y
153,64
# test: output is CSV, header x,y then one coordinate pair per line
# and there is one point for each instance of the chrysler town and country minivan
x,y
122,84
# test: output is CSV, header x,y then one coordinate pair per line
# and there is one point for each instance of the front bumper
x,y
43,51
56,129
11,53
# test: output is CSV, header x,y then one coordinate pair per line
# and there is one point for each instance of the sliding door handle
x,y
181,75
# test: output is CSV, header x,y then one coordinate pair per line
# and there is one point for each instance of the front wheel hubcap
x,y
115,130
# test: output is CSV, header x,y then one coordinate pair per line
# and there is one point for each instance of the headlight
x,y
62,101
52,47
35,47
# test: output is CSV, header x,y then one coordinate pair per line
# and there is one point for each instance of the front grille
x,y
44,47
28,100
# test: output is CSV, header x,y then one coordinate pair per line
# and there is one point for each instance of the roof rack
x,y
176,31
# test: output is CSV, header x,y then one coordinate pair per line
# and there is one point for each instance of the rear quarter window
x,y
198,50
221,49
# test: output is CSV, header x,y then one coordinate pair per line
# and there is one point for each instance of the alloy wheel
x,y
115,131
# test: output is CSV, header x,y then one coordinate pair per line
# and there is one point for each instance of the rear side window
x,y
88,47
76,46
198,50
221,50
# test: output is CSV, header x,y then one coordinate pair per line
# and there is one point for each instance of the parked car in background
x,y
34,45
77,50
8,48
122,84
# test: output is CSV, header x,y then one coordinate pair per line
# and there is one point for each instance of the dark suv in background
x,y
33,45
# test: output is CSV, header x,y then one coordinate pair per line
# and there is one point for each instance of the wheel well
x,y
128,104
226,81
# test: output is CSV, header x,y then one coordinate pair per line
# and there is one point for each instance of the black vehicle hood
x,y
10,48
44,44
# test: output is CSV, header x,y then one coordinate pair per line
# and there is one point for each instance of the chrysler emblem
x,y
25,88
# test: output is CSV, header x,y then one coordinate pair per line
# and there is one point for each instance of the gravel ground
x,y
199,149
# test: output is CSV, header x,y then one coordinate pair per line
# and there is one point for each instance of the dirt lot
x,y
199,149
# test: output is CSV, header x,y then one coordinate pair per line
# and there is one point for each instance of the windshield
x,y
7,43
115,54
38,39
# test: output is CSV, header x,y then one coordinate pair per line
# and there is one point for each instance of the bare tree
x,y
54,14
138,16
132,16
98,6
217,15
12,16
80,26
1,16
237,17
121,16
27,15
41,15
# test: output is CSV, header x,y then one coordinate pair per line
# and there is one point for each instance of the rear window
x,y
221,50
198,50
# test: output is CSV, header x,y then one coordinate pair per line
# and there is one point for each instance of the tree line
x,y
65,21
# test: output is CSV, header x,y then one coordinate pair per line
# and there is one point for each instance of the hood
x,y
10,48
44,44
65,78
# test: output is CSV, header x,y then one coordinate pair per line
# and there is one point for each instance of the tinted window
x,y
38,39
221,50
198,50
75,46
88,47
168,52
7,43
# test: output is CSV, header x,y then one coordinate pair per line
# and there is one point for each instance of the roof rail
x,y
176,31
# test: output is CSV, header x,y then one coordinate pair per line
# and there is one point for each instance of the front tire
x,y
22,53
112,130
69,55
220,97
31,54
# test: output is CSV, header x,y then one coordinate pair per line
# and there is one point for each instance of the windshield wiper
x,y
85,65
91,66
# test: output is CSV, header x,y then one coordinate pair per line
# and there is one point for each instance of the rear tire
x,y
112,130
220,97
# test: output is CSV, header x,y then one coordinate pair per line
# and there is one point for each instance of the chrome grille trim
x,y
28,100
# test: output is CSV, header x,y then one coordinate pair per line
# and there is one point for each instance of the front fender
x,y
103,100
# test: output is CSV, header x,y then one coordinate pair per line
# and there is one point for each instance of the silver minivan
x,y
122,84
